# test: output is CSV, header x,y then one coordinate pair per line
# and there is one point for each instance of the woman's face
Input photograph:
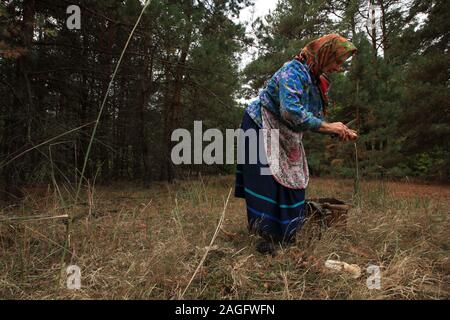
x,y
336,66
332,67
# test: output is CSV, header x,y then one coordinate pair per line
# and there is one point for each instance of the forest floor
x,y
135,243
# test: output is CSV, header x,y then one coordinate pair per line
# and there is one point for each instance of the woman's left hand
x,y
350,135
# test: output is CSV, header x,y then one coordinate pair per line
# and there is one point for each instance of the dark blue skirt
x,y
273,210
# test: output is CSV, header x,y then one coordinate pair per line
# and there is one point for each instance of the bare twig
x,y
106,97
44,143
222,218
32,218
357,187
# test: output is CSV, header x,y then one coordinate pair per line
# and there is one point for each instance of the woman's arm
x,y
339,129
298,116
292,110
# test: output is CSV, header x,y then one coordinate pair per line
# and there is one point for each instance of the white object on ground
x,y
352,269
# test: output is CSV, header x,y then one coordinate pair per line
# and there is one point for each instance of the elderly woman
x,y
294,101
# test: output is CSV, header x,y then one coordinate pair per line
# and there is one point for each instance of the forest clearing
x,y
117,182
133,243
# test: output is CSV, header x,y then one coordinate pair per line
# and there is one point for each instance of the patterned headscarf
x,y
321,52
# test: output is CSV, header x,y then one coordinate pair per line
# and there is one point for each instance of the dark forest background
x,y
184,64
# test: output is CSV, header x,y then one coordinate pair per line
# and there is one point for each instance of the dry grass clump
x,y
132,243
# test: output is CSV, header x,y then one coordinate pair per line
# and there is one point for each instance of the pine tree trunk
x,y
374,32
20,115
383,28
173,108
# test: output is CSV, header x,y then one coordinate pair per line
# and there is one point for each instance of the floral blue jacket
x,y
293,97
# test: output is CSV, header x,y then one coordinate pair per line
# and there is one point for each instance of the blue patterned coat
x,y
292,95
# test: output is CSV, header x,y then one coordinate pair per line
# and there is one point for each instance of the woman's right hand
x,y
339,129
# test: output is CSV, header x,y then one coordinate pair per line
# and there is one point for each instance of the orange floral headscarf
x,y
327,49
320,53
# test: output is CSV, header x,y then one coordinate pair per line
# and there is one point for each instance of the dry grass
x,y
132,243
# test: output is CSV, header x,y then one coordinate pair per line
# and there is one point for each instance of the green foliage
x,y
399,99
181,65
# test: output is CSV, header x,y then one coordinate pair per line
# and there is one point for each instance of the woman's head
x,y
327,54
